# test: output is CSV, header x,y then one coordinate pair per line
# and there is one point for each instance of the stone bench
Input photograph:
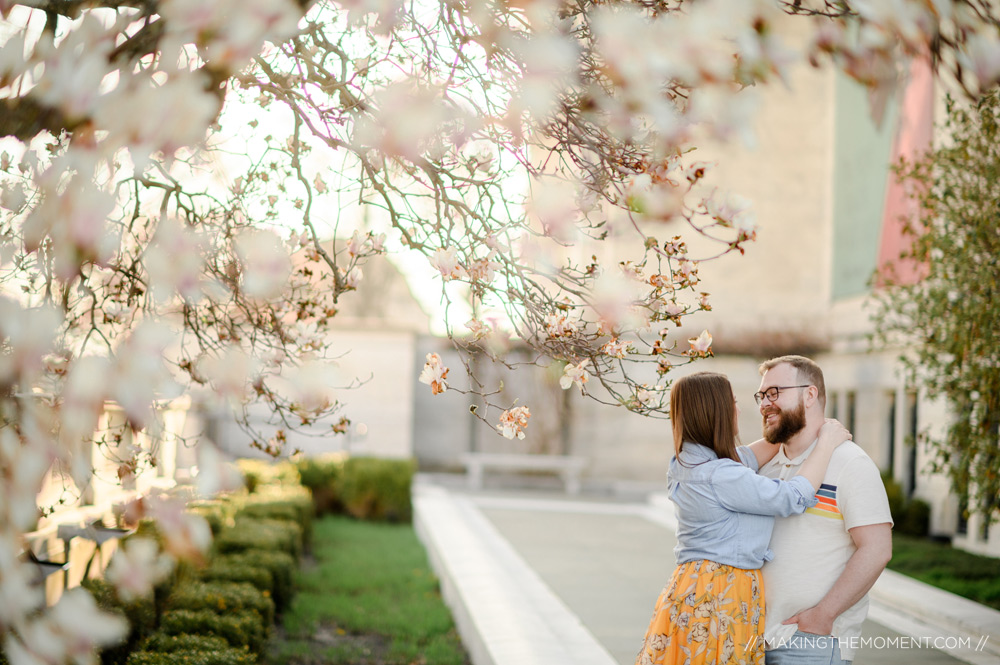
x,y
568,467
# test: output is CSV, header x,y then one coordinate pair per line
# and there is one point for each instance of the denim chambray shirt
x,y
725,511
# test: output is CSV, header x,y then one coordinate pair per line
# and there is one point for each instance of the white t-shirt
x,y
812,549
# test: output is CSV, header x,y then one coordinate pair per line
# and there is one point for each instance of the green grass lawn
x,y
974,577
367,597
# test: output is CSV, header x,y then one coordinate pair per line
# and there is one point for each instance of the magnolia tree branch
x,y
191,191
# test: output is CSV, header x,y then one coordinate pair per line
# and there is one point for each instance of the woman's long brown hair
x,y
703,410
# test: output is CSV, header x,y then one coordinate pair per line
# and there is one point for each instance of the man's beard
x,y
789,424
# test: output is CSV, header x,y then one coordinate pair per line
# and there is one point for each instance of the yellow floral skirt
x,y
708,614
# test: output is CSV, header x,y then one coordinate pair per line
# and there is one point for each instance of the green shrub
x,y
897,500
261,534
916,518
322,475
377,489
909,516
165,643
221,597
280,565
239,629
257,473
288,506
140,614
227,656
225,569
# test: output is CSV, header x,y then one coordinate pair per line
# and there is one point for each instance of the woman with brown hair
x,y
712,609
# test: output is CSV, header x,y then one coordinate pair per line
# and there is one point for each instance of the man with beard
x,y
827,558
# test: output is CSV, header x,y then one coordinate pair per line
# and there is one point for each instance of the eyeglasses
x,y
772,393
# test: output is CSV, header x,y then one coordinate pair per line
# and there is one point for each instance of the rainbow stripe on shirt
x,y
827,506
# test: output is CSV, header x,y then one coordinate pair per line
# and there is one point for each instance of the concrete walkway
x,y
537,577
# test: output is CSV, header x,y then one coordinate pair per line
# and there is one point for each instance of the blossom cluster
x,y
142,262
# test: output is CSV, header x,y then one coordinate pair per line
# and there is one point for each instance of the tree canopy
x,y
948,320
181,183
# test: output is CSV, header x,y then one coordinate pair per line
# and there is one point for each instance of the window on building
x,y
911,442
850,418
831,405
891,431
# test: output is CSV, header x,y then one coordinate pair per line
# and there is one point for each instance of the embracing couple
x,y
778,542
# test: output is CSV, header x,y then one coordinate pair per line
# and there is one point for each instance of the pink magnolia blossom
x,y
732,210
265,263
20,488
231,32
478,328
575,374
75,216
19,592
175,261
447,264
66,633
149,115
616,348
686,273
136,567
646,396
75,69
513,421
216,472
356,246
434,374
141,375
561,325
701,346
84,393
185,534
409,121
984,57
230,373
309,387
672,308
30,334
352,278
484,270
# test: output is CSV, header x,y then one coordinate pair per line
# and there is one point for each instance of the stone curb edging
x,y
924,611
505,614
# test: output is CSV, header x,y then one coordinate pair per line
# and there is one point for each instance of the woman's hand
x,y
832,433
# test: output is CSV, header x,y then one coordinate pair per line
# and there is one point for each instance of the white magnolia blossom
x,y
68,632
265,263
574,374
175,262
216,472
446,262
137,260
513,421
137,566
230,374
141,376
434,374
702,344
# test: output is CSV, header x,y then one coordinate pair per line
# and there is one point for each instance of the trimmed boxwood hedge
x,y
261,534
240,629
228,569
378,489
228,656
222,597
166,643
281,566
